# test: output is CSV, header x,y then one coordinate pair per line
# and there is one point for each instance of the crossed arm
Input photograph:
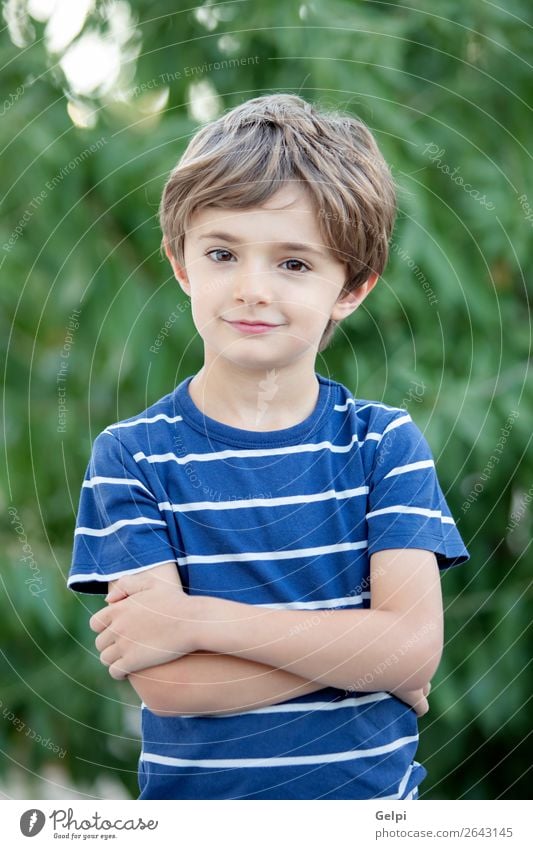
x,y
207,682
245,660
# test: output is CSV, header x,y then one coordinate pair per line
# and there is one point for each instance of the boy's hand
x,y
129,584
148,626
116,593
416,699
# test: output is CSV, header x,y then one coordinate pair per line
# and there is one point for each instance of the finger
x,y
109,655
116,594
128,586
422,707
117,672
97,622
104,640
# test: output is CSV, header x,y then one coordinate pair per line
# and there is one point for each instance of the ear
x,y
179,270
348,304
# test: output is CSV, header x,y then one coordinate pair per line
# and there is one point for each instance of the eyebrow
x,y
289,246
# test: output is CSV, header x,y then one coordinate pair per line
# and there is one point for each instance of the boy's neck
x,y
269,399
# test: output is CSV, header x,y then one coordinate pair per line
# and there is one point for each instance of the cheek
x,y
314,312
199,318
209,295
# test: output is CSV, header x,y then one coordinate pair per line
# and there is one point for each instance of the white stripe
x,y
401,508
263,502
95,481
396,423
258,452
170,419
268,452
334,757
110,529
410,467
298,707
403,784
343,407
271,555
248,452
112,576
317,605
383,406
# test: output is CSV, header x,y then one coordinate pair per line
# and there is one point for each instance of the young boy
x,y
272,545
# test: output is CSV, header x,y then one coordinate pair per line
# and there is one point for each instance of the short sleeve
x,y
407,508
119,527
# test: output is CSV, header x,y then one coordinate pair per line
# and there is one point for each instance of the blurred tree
x,y
94,116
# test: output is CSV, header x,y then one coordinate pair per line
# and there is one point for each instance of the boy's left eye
x,y
219,251
298,262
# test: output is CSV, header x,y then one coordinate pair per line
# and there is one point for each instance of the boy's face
x,y
263,264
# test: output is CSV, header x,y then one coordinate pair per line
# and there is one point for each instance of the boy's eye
x,y
298,262
219,251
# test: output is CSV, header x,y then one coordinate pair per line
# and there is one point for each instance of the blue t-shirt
x,y
284,519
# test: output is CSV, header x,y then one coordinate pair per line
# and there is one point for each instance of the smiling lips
x,y
252,326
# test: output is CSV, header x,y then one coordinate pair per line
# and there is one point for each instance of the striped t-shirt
x,y
283,519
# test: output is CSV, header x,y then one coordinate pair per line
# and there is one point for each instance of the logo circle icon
x,y
32,822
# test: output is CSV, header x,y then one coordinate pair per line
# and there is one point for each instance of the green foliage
x,y
450,316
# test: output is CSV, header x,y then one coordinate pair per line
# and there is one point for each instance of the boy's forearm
x,y
348,649
207,683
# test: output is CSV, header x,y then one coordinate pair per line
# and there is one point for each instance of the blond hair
x,y
246,155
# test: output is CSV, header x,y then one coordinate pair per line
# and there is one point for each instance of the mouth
x,y
253,327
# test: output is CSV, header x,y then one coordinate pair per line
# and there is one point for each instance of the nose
x,y
252,284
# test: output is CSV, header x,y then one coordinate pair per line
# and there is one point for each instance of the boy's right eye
x,y
219,251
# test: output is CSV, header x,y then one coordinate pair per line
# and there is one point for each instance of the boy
x,y
270,543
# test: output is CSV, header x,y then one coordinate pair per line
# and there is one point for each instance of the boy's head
x,y
272,144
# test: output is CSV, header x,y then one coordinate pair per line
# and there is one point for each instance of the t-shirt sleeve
x,y
407,508
119,527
